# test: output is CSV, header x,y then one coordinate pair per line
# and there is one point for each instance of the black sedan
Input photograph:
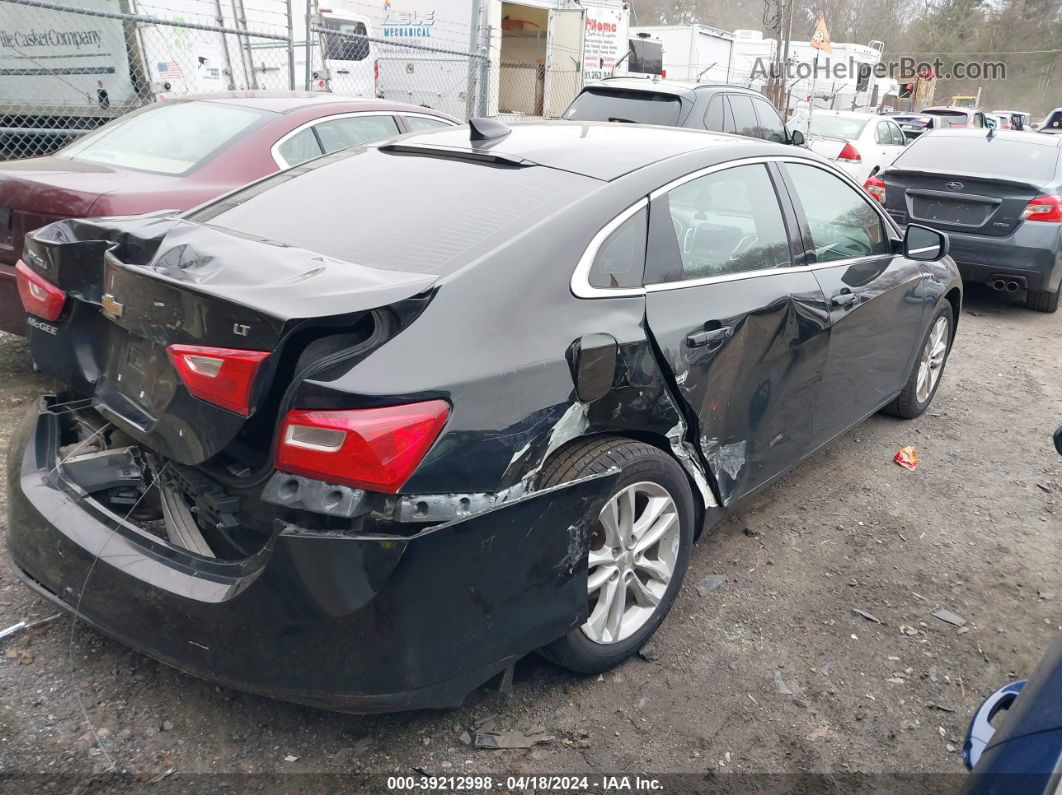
x,y
366,448
999,198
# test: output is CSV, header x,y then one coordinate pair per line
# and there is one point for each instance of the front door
x,y
874,294
741,327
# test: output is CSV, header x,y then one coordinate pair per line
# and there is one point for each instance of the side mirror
x,y
924,244
796,138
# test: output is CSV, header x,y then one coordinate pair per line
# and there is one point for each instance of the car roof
x,y
951,108
286,101
662,86
600,150
848,114
1023,136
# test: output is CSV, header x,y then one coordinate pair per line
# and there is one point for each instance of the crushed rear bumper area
x,y
358,623
1030,255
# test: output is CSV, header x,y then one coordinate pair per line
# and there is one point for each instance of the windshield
x,y
642,107
997,157
170,138
950,118
837,126
408,212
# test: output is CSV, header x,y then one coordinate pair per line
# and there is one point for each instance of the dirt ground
x,y
772,672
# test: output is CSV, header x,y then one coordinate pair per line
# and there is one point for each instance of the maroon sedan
x,y
178,153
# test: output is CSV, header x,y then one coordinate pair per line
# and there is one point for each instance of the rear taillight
x,y
1043,208
222,376
876,188
39,296
849,154
375,449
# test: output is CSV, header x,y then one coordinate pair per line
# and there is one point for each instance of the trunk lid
x,y
827,147
972,204
136,285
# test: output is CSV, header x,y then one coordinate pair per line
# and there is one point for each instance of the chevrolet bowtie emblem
x,y
111,308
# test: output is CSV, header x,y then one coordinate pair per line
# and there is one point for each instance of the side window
x,y
898,138
713,117
771,126
883,135
299,148
338,134
843,224
621,259
722,223
416,123
744,116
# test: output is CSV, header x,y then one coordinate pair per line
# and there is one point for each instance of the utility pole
x,y
291,46
309,44
784,83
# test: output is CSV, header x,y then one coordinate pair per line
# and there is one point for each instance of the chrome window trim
x,y
580,285
445,121
274,150
580,281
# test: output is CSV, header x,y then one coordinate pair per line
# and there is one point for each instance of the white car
x,y
860,143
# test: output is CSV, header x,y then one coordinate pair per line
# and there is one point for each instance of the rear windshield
x,y
1000,157
950,118
171,138
913,121
642,107
836,126
396,211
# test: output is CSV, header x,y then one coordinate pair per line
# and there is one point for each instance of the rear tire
x,y
917,394
1043,300
652,487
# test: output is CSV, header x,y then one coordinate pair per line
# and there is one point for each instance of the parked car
x,y
1019,119
860,143
371,465
714,107
957,117
999,198
175,154
1052,123
914,124
1014,743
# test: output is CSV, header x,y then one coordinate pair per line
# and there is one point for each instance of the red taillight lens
x,y
222,376
1043,208
876,188
373,449
849,154
39,296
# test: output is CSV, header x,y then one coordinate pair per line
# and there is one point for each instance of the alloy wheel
x,y
932,361
633,551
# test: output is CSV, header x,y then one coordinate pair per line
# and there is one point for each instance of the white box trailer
x,y
693,53
66,72
533,56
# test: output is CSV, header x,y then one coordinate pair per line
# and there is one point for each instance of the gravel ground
x,y
774,671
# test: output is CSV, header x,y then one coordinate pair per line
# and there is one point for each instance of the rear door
x,y
739,321
874,295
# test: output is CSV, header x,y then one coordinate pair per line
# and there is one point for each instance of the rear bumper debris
x,y
353,622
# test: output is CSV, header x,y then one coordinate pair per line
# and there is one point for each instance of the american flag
x,y
170,70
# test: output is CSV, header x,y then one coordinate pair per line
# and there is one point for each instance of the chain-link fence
x,y
68,67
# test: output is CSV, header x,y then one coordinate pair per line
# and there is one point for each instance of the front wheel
x,y
924,379
639,549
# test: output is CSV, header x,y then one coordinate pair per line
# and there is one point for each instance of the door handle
x,y
700,339
844,300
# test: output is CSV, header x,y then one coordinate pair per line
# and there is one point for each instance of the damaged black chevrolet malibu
x,y
366,432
